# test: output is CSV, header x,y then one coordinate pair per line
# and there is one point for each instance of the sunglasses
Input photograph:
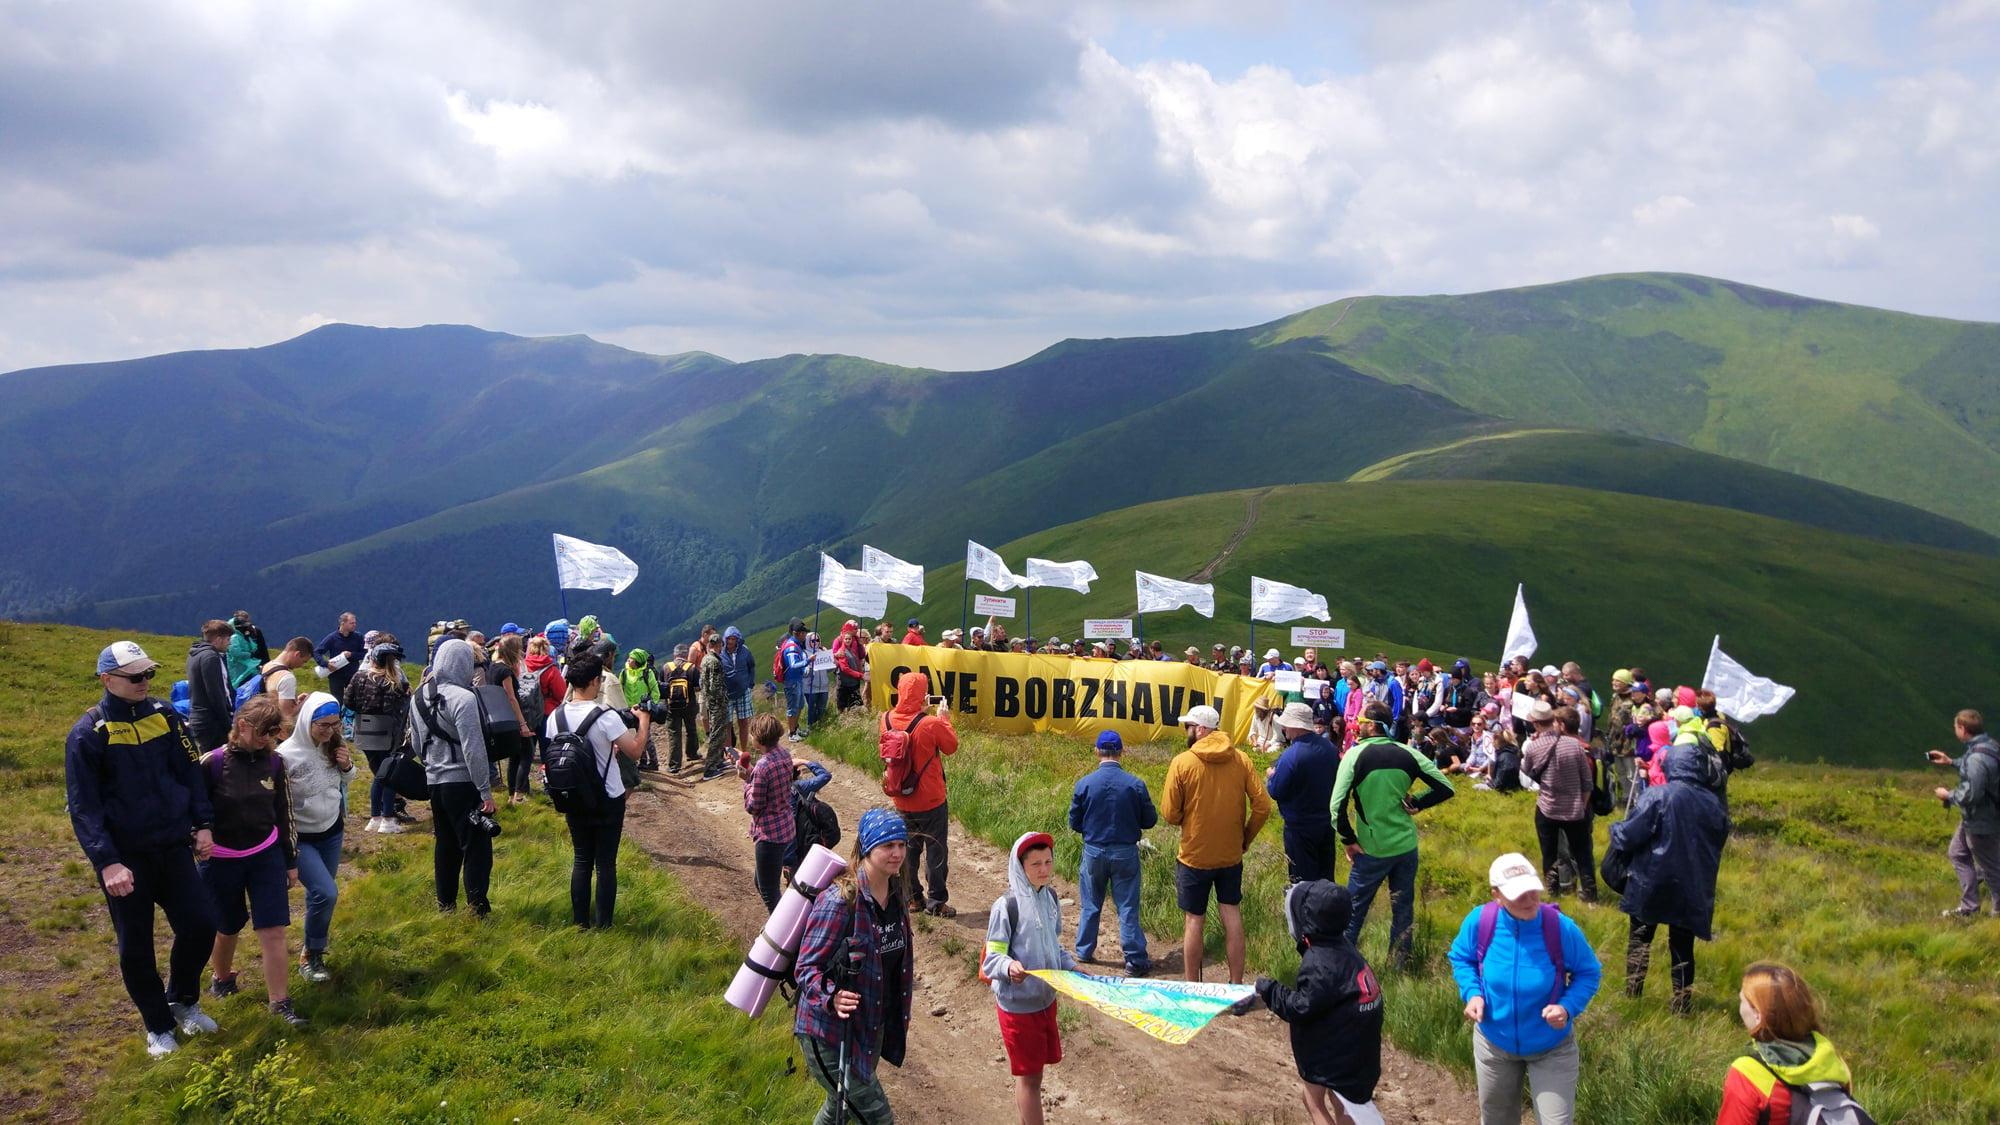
x,y
133,677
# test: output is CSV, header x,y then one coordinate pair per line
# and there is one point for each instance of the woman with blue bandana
x,y
856,1009
318,767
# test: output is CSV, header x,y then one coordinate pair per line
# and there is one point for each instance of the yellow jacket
x,y
1207,786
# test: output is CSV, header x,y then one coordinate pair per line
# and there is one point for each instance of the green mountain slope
x,y
1894,405
1883,641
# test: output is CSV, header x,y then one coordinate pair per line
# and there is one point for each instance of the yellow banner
x,y
1019,693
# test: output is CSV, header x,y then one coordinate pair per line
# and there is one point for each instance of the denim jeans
x,y
381,798
1367,876
1118,866
319,861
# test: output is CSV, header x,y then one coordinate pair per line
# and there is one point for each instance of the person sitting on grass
x,y
255,861
856,974
1023,932
1335,1009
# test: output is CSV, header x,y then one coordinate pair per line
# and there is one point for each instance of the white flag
x,y
1739,693
592,566
895,575
1277,602
1158,595
982,565
851,591
1068,576
1520,635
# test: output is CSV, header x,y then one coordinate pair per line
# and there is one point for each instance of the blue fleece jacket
x,y
1302,781
1111,807
1518,978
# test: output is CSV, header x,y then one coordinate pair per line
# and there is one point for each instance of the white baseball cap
x,y
124,656
1272,655
1513,876
1203,716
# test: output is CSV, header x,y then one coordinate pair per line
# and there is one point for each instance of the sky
x,y
960,184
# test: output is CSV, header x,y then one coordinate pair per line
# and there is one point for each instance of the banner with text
x,y
1020,693
1107,628
1315,637
991,605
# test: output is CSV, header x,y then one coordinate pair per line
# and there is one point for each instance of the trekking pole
x,y
846,1032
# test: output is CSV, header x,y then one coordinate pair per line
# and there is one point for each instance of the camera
x,y
654,708
484,822
626,716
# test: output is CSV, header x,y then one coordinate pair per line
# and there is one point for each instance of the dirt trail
x,y
1235,541
1237,1069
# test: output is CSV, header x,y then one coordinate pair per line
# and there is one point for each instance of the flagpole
x,y
816,604
1028,609
561,595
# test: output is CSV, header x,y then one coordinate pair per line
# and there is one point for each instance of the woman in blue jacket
x,y
1520,1004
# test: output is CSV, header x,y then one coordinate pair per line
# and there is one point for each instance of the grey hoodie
x,y
211,704
457,713
1036,943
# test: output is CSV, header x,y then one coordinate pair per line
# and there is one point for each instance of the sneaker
x,y
222,988
1138,968
160,1044
283,1010
390,828
312,966
795,736
192,1020
1962,912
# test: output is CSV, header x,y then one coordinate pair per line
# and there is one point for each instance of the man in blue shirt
x,y
344,644
1111,808
1301,782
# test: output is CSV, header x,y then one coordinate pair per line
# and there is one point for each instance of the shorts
x,y
1191,886
740,708
795,697
252,889
1031,1040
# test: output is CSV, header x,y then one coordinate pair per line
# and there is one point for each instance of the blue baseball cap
x,y
878,827
1109,740
124,656
508,628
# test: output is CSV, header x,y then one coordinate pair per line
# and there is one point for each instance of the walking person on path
x,y
211,697
1024,932
1673,840
1301,782
255,861
447,734
1525,972
1334,1008
767,797
1975,845
739,675
925,809
1376,776
1217,799
318,766
139,806
594,832
1111,809
380,689
862,1001
794,664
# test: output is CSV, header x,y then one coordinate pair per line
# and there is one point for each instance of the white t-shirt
x,y
279,681
602,734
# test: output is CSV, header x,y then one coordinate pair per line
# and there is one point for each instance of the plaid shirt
x,y
768,798
826,927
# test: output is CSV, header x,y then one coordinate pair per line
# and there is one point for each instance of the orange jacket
x,y
1207,787
932,736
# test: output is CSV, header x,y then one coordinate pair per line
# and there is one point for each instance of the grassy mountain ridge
x,y
1899,406
1612,580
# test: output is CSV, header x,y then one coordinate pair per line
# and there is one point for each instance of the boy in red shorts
x,y
1023,932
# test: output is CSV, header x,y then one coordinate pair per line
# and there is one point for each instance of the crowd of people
x,y
213,806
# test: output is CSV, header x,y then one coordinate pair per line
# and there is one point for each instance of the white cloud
x,y
959,184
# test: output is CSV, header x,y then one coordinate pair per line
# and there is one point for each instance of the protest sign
x,y
1107,628
987,605
1168,1010
823,660
1313,637
1287,681
1313,689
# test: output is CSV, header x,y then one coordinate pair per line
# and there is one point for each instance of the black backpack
x,y
569,765
815,823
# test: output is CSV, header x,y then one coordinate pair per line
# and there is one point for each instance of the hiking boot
x,y
283,1010
222,988
1682,1002
312,966
160,1044
481,909
1138,968
191,1019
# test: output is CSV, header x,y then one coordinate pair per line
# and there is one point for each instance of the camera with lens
x,y
626,715
654,708
484,822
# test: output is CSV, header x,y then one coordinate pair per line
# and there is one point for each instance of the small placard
x,y
1319,638
1287,681
989,605
1107,628
823,660
1313,688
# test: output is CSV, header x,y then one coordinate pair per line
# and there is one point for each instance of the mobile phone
x,y
935,700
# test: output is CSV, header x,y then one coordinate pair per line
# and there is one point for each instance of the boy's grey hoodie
x,y
1036,943
457,712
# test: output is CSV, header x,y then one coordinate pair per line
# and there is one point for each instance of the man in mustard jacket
x,y
1217,799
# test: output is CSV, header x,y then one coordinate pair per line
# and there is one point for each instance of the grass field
x,y
432,1018
1839,872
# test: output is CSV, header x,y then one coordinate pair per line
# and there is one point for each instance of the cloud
x,y
959,184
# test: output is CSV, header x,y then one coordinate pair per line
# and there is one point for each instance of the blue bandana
x,y
878,827
328,710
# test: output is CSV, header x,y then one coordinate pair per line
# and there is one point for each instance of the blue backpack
x,y
249,689
181,700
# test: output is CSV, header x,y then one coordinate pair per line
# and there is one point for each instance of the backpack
x,y
1727,742
814,822
897,780
1489,920
569,765
1817,1103
250,689
678,686
528,692
181,700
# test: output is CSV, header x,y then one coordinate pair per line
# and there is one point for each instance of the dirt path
x,y
1237,1069
1235,541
